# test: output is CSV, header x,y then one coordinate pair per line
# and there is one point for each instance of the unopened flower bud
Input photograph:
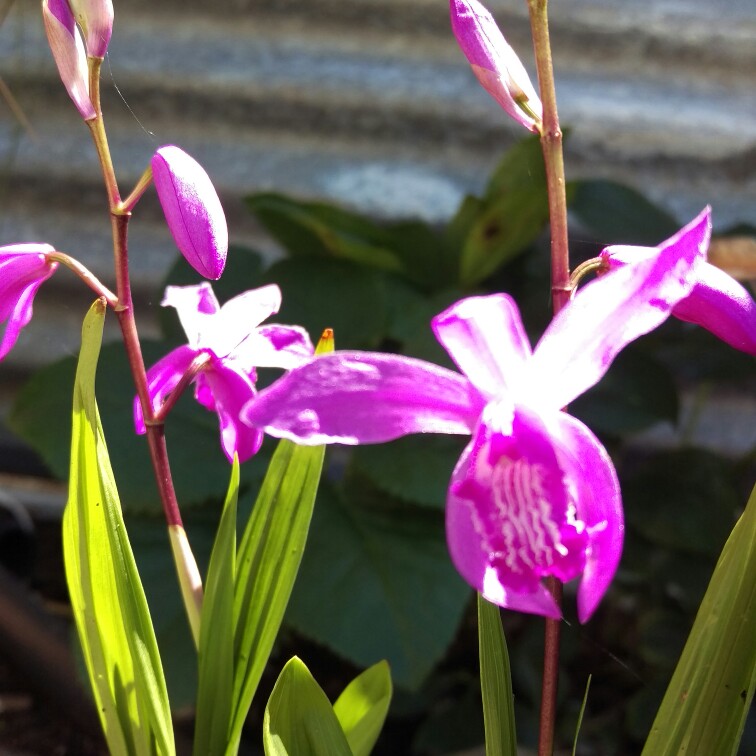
x,y
495,63
192,210
95,17
68,51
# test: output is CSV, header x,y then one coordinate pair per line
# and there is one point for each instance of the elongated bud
x,y
68,51
95,17
192,210
495,63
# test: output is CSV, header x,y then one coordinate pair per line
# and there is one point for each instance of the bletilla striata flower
x,y
534,494
23,269
95,17
495,63
69,54
717,301
225,346
192,210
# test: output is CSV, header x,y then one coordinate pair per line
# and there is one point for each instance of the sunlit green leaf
x,y
108,602
708,699
299,719
362,707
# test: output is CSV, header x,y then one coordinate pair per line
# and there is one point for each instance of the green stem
x,y
86,275
551,145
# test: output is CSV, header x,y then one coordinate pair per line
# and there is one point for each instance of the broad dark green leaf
x,y
362,707
268,560
495,682
216,643
708,699
107,599
378,584
617,214
299,719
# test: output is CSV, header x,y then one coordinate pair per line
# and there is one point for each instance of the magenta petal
x,y
162,379
599,506
487,341
721,305
277,346
195,306
364,397
68,52
96,19
231,390
610,312
192,210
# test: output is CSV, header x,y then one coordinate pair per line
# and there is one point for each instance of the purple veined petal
x,y
494,62
276,346
192,210
95,17
196,307
608,313
365,397
721,305
68,52
231,390
239,317
487,341
599,506
162,379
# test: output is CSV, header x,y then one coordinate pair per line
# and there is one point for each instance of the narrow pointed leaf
x,y
108,602
362,707
216,648
495,682
706,704
299,719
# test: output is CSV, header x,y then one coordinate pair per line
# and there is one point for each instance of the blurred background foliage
x,y
376,581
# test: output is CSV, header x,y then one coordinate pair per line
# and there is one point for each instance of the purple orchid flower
x,y
23,269
534,494
69,54
192,210
495,63
225,346
95,17
717,301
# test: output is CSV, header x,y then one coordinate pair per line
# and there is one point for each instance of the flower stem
x,y
86,275
551,145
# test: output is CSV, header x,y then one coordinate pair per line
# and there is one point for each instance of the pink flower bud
x,y
95,17
192,210
68,51
495,63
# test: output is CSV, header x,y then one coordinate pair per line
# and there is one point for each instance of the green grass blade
x,y
299,719
109,606
495,683
362,707
708,698
581,714
216,642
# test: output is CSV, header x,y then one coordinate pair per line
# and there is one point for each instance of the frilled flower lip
x,y
23,269
192,210
716,302
228,343
495,63
68,52
532,474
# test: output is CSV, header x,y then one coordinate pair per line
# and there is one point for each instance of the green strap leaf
x,y
362,707
216,643
495,682
108,602
299,719
707,701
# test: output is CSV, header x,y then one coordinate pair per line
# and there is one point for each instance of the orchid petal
x,y
487,341
68,52
96,19
192,210
278,346
231,390
607,314
195,306
364,397
599,506
162,379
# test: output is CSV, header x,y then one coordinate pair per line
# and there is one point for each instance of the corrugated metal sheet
x,y
367,102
